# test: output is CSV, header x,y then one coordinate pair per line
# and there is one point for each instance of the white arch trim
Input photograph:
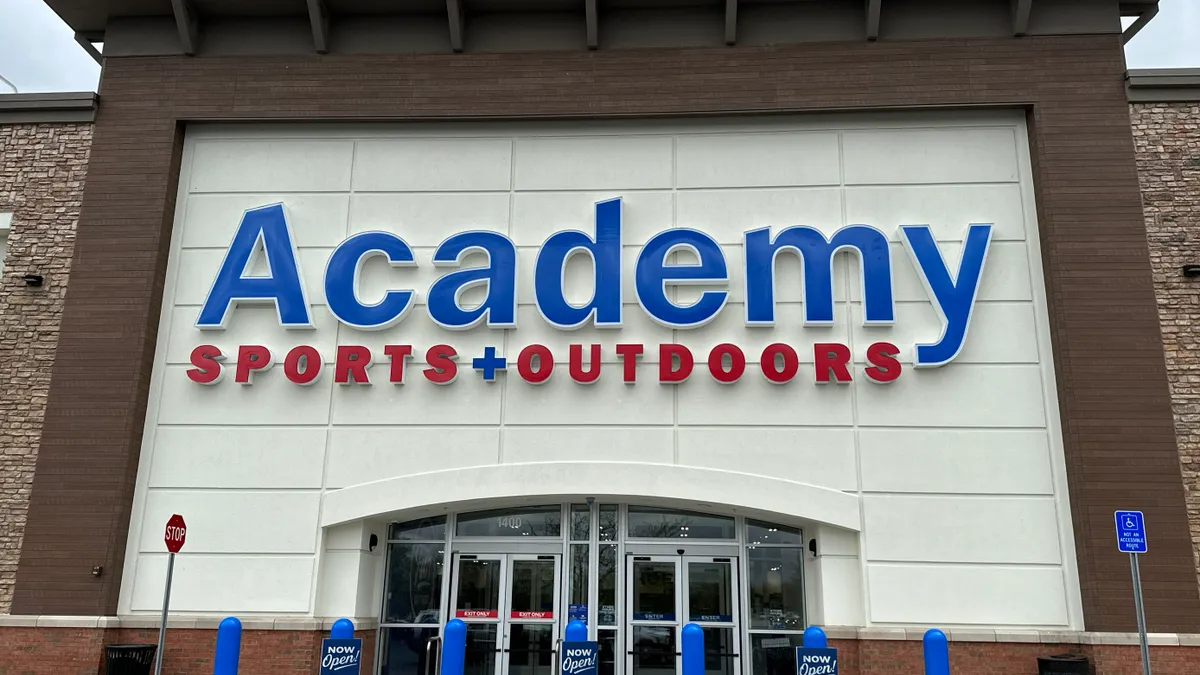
x,y
667,481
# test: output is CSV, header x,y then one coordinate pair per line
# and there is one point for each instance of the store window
x,y
412,600
775,585
652,523
534,521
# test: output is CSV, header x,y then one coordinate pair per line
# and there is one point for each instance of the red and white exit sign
x,y
176,533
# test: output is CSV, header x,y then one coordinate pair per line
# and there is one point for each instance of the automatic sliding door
x,y
531,625
476,599
653,606
710,601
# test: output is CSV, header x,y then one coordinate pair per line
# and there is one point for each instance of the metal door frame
x,y
735,593
501,600
676,623
504,617
555,615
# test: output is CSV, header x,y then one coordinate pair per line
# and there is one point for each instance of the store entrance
x,y
508,602
666,592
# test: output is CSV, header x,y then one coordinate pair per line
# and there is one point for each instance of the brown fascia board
x,y
74,107
1163,85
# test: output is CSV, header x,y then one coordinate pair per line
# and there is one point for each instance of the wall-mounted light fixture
x,y
372,542
812,547
1191,270
33,279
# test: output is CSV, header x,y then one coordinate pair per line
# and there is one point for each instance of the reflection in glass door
x,y
667,592
711,603
477,598
531,624
652,602
508,603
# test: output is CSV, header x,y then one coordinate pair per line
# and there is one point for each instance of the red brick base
x,y
80,651
904,657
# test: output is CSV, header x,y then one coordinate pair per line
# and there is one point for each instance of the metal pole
x,y
162,628
1141,612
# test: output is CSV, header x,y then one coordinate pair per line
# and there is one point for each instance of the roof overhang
x,y
90,18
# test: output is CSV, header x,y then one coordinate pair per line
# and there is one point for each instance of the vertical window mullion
x,y
594,572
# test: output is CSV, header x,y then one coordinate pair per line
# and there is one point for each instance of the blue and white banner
x,y
816,661
579,658
342,656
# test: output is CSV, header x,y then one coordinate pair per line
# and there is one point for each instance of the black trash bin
x,y
1064,664
129,659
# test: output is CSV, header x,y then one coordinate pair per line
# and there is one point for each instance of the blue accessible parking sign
x,y
1131,532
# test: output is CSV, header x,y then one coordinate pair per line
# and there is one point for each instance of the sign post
x,y
174,537
1131,539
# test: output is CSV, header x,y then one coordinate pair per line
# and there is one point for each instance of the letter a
x,y
265,227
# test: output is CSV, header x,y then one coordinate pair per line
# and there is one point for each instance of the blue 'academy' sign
x,y
953,291
343,656
579,658
816,661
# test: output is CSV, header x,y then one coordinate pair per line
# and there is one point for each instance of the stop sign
x,y
176,533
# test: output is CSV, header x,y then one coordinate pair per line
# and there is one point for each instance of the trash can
x,y
129,659
1064,664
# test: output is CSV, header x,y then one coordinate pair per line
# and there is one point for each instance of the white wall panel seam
x,y
864,578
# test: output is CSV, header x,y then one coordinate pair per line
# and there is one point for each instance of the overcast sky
x,y
39,54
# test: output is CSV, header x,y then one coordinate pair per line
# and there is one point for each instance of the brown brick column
x,y
1114,401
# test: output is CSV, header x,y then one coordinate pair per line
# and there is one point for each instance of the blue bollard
x,y
229,647
693,650
576,631
343,629
937,653
454,647
814,638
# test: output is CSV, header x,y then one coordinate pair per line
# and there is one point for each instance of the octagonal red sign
x,y
176,533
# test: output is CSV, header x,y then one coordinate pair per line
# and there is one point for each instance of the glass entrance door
x,y
710,601
508,602
665,593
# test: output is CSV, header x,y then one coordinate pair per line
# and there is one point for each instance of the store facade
x,y
772,385
405,345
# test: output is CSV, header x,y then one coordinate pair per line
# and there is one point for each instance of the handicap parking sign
x,y
1131,532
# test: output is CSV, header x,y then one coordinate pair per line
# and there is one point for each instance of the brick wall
x,y
80,651
42,169
1167,139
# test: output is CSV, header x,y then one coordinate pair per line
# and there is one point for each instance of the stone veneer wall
x,y
42,169
1167,139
